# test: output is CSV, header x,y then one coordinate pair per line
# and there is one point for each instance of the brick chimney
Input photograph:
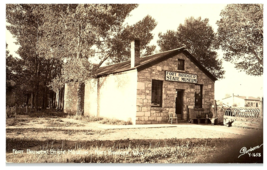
x,y
135,53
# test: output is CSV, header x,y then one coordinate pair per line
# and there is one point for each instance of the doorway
x,y
179,103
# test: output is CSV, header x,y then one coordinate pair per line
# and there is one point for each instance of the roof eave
x,y
211,76
105,74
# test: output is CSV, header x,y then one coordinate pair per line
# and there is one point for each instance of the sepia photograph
x,y
155,83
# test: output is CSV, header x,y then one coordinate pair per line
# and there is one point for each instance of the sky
x,y
169,17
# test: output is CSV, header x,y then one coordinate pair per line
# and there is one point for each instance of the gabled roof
x,y
244,97
151,60
248,98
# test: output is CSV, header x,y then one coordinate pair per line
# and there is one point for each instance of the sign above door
x,y
180,77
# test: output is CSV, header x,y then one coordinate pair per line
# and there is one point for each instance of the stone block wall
x,y
146,114
70,99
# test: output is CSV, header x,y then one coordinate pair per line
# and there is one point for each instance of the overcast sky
x,y
168,17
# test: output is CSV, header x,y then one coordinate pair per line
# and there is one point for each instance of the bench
x,y
198,119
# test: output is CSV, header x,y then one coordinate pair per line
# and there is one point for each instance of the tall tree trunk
x,y
47,78
44,89
60,99
57,98
79,111
36,101
31,100
51,99
54,100
63,94
45,97
27,99
37,85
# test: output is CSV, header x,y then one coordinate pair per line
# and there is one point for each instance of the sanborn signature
x,y
244,150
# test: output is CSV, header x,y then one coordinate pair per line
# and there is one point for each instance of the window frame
x,y
201,92
152,94
183,68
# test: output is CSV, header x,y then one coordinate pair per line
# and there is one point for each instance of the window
x,y
198,96
156,99
256,104
180,64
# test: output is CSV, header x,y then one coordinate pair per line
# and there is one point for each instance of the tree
x,y
58,40
33,70
120,48
78,33
198,36
15,78
240,36
72,30
9,75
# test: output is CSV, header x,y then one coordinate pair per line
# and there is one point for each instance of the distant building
x,y
242,101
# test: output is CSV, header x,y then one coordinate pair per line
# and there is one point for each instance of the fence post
x,y
187,112
262,105
261,108
261,112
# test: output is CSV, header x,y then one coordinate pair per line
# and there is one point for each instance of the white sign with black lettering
x,y
181,77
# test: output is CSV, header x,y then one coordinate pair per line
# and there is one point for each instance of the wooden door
x,y
179,103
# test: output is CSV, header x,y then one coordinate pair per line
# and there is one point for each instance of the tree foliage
x,y
120,45
198,36
32,71
59,41
240,36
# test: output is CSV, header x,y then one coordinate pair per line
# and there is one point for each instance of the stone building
x,y
242,101
145,90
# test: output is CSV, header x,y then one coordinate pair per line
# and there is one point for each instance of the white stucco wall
x,y
90,98
117,96
231,101
252,103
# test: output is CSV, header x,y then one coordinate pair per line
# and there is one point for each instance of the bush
x,y
85,118
116,122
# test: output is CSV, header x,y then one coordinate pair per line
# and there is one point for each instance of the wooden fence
x,y
243,112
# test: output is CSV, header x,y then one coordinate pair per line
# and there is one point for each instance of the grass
x,y
85,146
61,123
50,115
119,151
110,121
85,118
115,122
46,113
16,121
